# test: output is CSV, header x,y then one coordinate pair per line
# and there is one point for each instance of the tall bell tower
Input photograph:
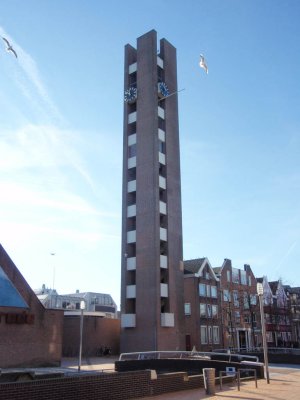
x,y
152,305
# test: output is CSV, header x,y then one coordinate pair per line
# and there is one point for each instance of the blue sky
x,y
61,134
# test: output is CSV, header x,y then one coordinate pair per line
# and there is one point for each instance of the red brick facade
x,y
240,307
28,337
203,323
97,333
221,307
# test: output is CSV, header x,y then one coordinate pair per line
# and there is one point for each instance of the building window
x,y
235,275
237,317
235,298
203,331
187,308
247,319
243,277
228,276
208,293
246,301
202,310
216,335
132,151
269,337
162,147
213,291
253,299
207,276
202,289
226,295
161,124
214,310
209,310
249,280
209,334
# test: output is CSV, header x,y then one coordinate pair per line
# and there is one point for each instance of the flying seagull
x,y
9,47
202,63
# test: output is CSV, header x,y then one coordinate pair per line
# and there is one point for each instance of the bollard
x,y
209,380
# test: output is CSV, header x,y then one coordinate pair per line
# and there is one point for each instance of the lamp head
x,y
82,305
260,289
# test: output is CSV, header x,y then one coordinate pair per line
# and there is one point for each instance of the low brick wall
x,y
111,386
106,386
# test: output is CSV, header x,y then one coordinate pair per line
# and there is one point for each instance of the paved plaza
x,y
284,384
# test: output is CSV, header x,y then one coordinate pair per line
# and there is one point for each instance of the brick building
x,y
240,307
30,335
202,306
293,295
277,313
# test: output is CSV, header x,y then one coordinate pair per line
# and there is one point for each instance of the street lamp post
x,y
82,307
53,275
260,292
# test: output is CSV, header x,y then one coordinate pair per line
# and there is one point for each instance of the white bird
x,y
9,47
203,64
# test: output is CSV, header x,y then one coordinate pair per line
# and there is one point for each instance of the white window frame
x,y
213,291
209,334
187,308
202,289
203,334
203,307
214,311
243,276
216,335
208,291
228,276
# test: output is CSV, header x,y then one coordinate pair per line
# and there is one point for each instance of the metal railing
x,y
157,355
283,350
237,376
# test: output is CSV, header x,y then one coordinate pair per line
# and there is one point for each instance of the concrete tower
x,y
152,311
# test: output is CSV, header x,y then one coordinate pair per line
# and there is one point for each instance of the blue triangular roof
x,y
9,295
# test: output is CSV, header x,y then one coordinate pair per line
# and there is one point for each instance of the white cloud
x,y
41,147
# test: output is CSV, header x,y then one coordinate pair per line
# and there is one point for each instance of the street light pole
x,y
260,292
82,307
53,276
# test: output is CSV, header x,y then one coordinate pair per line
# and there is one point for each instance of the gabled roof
x,y
196,266
193,266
